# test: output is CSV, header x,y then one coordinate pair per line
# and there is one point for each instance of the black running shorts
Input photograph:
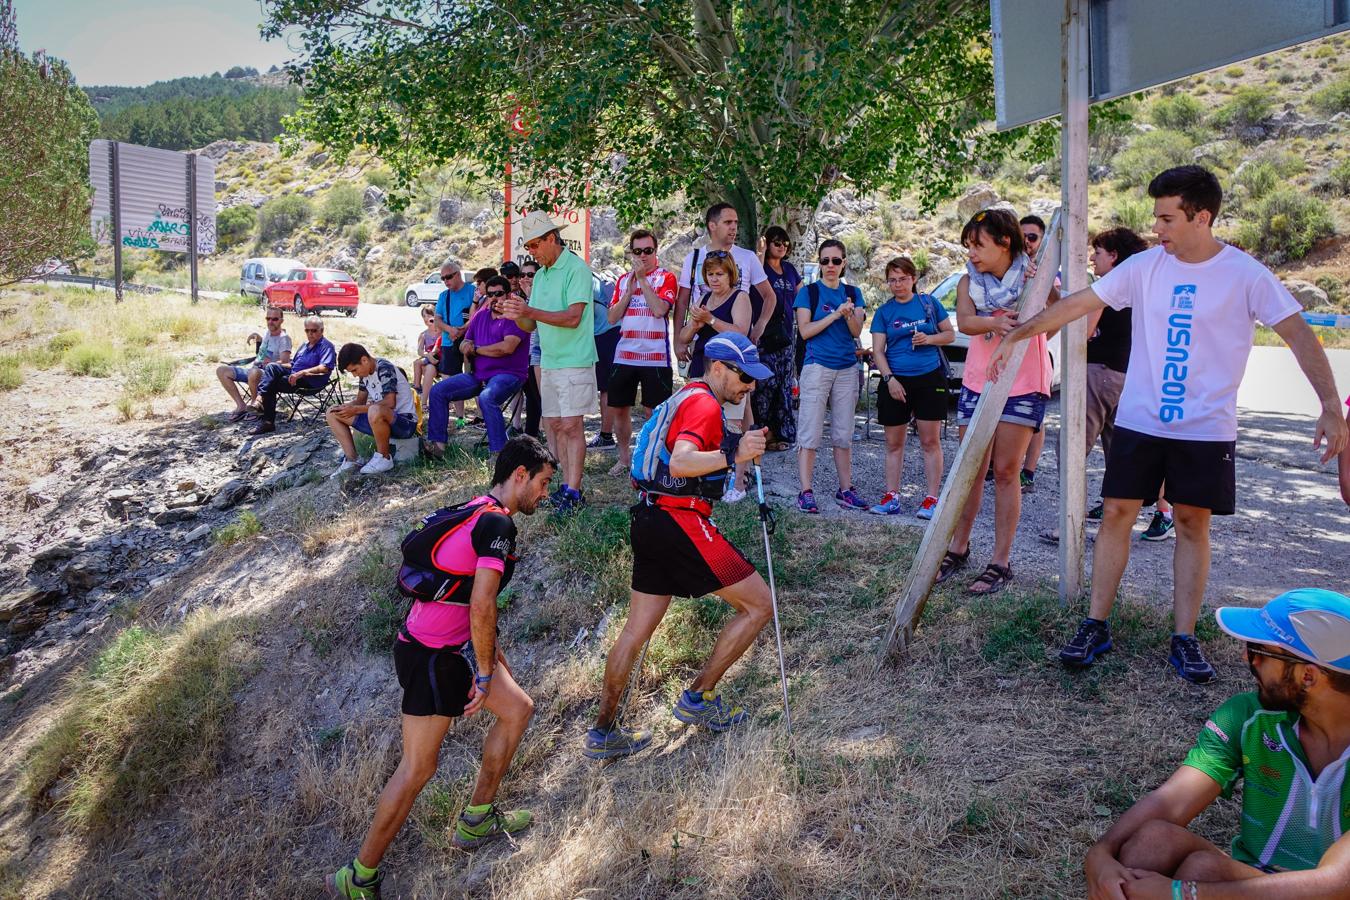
x,y
925,399
624,381
452,684
680,552
1197,473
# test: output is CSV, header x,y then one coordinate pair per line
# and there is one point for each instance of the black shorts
x,y
1198,473
453,679
680,552
925,399
605,345
656,382
451,361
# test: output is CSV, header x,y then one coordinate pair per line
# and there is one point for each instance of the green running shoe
x,y
472,832
343,883
707,708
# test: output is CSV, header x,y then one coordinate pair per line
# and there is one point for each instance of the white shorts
x,y
568,392
820,387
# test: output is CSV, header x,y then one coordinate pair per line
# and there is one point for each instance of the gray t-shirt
x,y
271,348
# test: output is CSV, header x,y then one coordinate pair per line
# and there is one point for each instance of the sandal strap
x,y
992,574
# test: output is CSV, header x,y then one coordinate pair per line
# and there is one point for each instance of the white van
x,y
258,273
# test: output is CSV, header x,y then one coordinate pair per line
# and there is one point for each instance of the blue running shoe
x,y
1092,639
616,742
707,708
1189,660
847,498
889,505
806,502
927,508
568,500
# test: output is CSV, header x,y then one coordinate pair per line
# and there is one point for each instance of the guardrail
x,y
94,282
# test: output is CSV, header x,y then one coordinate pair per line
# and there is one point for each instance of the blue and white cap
x,y
1309,622
735,348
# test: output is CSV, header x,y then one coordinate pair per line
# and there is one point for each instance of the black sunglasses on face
x,y
526,274
1254,651
496,293
778,243
643,251
313,330
831,260
1031,237
273,318
449,277
745,379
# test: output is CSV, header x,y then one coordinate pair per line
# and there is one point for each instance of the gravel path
x,y
1291,528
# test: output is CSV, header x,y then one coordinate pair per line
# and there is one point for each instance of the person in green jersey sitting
x,y
1288,742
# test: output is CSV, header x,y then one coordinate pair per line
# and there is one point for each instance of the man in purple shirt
x,y
500,354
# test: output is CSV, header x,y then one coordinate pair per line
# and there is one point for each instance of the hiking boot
x,y
1092,639
616,742
806,502
1095,514
1189,660
889,505
602,441
927,508
707,708
847,498
1028,480
472,832
1160,529
343,883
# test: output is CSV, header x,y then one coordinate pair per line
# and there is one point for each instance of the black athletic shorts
x,y
925,399
453,679
624,380
1198,473
605,345
451,361
680,552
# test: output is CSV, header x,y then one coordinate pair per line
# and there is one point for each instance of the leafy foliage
x,y
280,217
1179,112
44,164
1251,105
1333,98
342,206
1150,154
187,122
109,100
235,225
1284,226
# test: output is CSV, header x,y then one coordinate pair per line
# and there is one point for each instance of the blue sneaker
x,y
1189,660
847,498
927,508
889,505
1092,639
567,501
616,742
806,502
707,708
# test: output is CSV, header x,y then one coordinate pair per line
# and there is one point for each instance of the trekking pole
x,y
767,526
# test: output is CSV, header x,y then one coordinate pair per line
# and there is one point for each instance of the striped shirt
x,y
643,340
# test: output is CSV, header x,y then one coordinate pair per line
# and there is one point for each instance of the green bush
x,y
150,376
1257,179
357,235
11,373
95,360
1285,225
1179,112
235,225
1250,105
1337,181
280,218
1150,154
342,206
1135,213
1333,98
380,177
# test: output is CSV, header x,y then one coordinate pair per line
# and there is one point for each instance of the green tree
x,y
44,157
280,218
235,225
342,206
766,105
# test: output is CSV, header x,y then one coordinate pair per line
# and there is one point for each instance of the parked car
x,y
945,293
50,267
262,271
428,290
308,290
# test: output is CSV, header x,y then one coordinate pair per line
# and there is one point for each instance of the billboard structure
x,y
575,222
151,199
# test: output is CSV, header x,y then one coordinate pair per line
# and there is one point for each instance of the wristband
x,y
482,680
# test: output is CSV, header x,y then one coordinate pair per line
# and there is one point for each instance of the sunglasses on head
x,y
1254,651
496,293
831,260
745,379
643,251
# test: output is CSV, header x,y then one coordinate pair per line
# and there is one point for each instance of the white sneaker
x,y
377,465
347,466
732,495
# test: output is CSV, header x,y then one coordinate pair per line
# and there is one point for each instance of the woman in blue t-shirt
x,y
772,399
906,334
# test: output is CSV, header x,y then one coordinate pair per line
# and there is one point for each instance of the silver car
x,y
261,271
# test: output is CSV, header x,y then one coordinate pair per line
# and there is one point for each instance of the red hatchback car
x,y
313,291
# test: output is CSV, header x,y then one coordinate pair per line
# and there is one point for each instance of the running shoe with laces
x,y
567,501
889,505
473,831
1189,660
602,441
1095,514
343,883
707,708
616,742
927,508
806,502
847,498
733,495
1091,640
377,465
347,466
1160,529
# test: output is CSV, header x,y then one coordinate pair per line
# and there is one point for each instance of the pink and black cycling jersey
x,y
487,541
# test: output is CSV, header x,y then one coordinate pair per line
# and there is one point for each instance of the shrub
x,y
241,529
1285,225
11,374
1333,98
357,235
280,218
1257,179
1150,154
1337,180
95,360
342,206
150,376
380,177
1179,112
235,225
1233,71
1250,106
1135,213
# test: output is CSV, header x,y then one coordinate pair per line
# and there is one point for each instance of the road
x,y
1274,382
398,323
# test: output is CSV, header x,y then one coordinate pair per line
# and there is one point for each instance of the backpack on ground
x,y
419,578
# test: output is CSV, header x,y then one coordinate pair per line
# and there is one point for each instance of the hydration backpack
x,y
419,578
651,456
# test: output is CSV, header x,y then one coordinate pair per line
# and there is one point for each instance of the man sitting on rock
x,y
383,408
273,347
309,370
1288,742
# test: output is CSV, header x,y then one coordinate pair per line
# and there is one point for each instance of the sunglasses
x,y
643,251
745,379
1031,237
1254,651
272,318
831,260
496,293
526,274
778,243
451,276
313,330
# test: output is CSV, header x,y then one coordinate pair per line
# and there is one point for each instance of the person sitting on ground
x,y
383,408
308,372
678,550
272,347
428,353
906,333
1288,742
449,664
500,352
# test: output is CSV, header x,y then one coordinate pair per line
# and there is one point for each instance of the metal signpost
x,y
154,200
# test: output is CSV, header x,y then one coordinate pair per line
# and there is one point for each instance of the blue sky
x,y
147,40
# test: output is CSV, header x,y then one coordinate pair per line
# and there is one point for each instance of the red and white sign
x,y
574,222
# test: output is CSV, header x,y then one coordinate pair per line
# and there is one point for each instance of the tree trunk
x,y
800,222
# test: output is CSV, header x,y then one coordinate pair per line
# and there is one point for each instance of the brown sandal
x,y
994,579
951,564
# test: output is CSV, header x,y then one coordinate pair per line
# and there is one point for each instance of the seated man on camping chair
x,y
272,346
308,372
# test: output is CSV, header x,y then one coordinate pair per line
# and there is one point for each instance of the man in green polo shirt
x,y
560,307
1289,744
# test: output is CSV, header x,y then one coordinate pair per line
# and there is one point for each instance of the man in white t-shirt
x,y
383,409
272,347
722,223
1195,302
641,307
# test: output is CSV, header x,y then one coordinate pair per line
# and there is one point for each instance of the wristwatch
x,y
887,377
